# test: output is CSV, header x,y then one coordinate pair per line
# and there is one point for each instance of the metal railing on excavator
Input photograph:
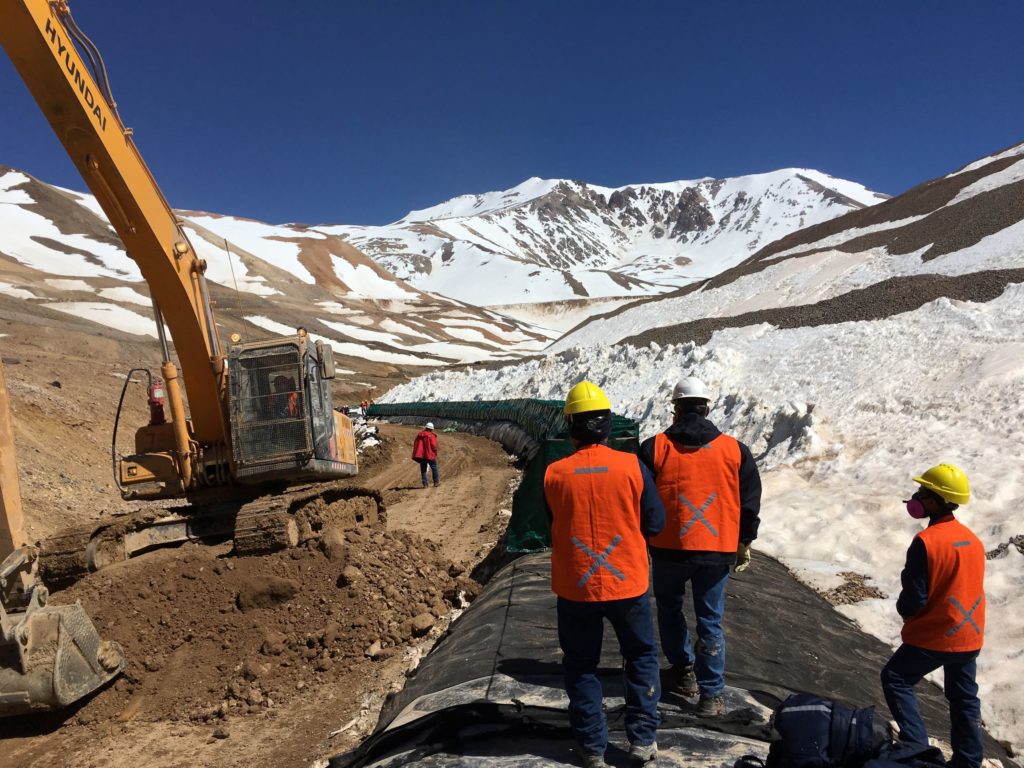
x,y
533,430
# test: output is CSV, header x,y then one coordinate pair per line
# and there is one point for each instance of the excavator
x,y
239,429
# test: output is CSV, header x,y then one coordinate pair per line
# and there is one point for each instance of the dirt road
x,y
259,661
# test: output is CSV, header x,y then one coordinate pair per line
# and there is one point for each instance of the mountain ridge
x,y
557,239
963,224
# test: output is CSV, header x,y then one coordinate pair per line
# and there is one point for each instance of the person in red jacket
x,y
424,451
602,505
943,608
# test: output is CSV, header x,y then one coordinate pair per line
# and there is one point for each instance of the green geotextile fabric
x,y
543,421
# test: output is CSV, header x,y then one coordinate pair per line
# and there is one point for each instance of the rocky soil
x,y
276,660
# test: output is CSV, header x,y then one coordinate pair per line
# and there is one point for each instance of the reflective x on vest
x,y
698,514
966,615
600,560
709,471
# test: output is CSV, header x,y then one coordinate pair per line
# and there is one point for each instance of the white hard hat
x,y
690,389
430,425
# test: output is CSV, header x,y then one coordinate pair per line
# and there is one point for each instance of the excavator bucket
x,y
52,657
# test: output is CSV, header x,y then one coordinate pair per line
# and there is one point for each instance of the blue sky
x,y
357,112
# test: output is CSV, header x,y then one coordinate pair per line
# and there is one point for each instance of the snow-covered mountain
x,y
59,258
489,276
850,357
556,240
958,236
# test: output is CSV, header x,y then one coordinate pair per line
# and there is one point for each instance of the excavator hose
x,y
117,420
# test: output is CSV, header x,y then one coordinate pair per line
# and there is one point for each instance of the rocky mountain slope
x,y
60,262
960,236
556,240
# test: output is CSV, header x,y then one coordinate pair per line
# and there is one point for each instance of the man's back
x,y
425,446
709,485
598,549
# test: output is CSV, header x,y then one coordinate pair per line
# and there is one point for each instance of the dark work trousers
x,y
580,631
424,463
707,583
906,668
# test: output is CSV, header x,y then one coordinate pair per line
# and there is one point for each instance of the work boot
x,y
593,761
437,483
679,678
710,706
642,754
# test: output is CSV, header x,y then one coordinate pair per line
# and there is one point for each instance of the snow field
x,y
840,418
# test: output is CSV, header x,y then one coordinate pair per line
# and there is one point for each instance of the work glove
x,y
742,558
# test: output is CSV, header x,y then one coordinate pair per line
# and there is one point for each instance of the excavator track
x,y
258,526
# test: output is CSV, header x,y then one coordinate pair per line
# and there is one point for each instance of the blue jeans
x,y
707,583
424,463
580,631
906,668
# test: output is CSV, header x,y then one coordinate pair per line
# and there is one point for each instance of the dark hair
x,y
945,506
590,426
686,405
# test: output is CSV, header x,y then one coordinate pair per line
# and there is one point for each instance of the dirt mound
x,y
211,637
279,659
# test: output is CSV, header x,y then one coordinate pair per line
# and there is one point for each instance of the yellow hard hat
x,y
586,397
948,481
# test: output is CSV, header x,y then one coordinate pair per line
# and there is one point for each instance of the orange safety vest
x,y
700,488
285,405
598,552
953,619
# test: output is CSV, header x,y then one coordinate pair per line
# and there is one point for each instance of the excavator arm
x,y
267,424
230,435
40,37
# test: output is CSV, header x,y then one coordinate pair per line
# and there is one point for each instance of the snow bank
x,y
840,418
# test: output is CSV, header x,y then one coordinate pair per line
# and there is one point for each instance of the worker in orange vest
x,y
602,504
711,490
943,608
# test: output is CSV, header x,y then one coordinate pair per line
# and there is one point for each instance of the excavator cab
x,y
283,426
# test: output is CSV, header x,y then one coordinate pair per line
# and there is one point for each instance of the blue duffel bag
x,y
821,733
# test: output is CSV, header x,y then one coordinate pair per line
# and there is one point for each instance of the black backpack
x,y
821,733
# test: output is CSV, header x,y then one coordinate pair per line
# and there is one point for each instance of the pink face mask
x,y
916,509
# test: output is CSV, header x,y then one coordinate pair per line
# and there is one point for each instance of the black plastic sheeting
x,y
490,692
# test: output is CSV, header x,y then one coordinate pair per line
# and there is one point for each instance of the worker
x,y
943,608
601,504
711,490
424,452
285,400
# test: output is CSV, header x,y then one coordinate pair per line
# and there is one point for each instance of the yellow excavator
x,y
239,424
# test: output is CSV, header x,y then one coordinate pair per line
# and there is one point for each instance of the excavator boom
x,y
42,48
196,453
258,415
